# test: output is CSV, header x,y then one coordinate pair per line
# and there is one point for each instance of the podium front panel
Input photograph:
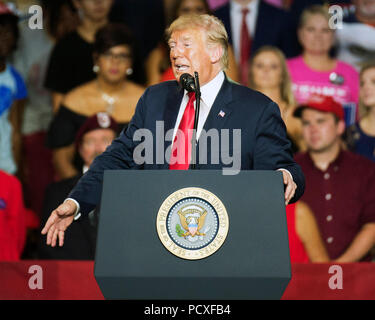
x,y
132,263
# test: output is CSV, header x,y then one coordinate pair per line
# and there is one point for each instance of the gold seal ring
x,y
192,223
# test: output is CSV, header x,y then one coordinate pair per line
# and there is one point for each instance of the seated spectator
x,y
315,71
296,7
110,92
340,185
252,24
360,137
269,74
12,94
12,218
71,64
31,58
356,38
94,136
305,242
158,65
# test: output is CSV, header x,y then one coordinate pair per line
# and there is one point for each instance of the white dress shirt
x,y
236,23
209,93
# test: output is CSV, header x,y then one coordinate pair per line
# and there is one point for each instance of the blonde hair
x,y
286,84
313,10
215,31
363,109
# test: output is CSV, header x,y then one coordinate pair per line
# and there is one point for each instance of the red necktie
x,y
181,149
245,48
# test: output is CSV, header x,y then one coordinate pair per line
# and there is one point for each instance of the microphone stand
x,y
197,107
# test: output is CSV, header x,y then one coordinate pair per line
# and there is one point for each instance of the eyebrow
x,y
186,38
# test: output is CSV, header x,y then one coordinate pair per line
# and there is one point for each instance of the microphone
x,y
188,82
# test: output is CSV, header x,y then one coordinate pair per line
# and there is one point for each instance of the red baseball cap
x,y
101,120
321,103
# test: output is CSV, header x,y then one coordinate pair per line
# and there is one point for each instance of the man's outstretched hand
x,y
59,220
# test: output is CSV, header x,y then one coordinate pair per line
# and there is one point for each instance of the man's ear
x,y
216,52
341,127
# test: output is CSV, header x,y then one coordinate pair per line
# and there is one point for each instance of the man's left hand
x,y
291,187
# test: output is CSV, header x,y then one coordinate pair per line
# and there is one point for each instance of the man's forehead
x,y
187,33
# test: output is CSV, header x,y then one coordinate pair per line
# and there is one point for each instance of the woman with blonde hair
x,y
317,71
360,137
269,74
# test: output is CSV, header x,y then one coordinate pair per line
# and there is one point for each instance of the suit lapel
x,y
170,113
173,106
218,115
220,110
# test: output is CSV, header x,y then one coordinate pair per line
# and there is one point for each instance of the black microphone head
x,y
187,82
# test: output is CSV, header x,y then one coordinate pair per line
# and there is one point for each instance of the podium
x,y
252,262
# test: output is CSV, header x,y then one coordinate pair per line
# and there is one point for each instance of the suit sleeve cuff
x,y
77,214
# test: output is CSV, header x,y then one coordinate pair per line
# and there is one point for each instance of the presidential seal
x,y
192,223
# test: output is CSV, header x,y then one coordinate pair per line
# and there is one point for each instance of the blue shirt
x,y
12,88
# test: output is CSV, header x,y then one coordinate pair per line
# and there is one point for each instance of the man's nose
x,y
313,128
177,51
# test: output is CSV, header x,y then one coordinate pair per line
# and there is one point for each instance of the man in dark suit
x,y
266,24
197,43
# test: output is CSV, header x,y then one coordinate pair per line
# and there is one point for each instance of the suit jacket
x,y
263,145
273,27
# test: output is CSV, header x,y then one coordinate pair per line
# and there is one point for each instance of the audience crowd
x,y
68,89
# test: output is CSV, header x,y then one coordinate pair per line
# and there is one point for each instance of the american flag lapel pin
x,y
222,113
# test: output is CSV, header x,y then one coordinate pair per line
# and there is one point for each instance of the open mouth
x,y
181,67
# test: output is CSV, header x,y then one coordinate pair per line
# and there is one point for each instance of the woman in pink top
x,y
315,71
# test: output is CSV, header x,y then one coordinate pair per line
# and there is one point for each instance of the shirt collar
x,y
211,89
333,164
252,6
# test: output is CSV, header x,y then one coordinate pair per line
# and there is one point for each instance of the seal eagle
x,y
192,221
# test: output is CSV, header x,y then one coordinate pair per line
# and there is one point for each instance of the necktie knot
x,y
191,96
245,11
